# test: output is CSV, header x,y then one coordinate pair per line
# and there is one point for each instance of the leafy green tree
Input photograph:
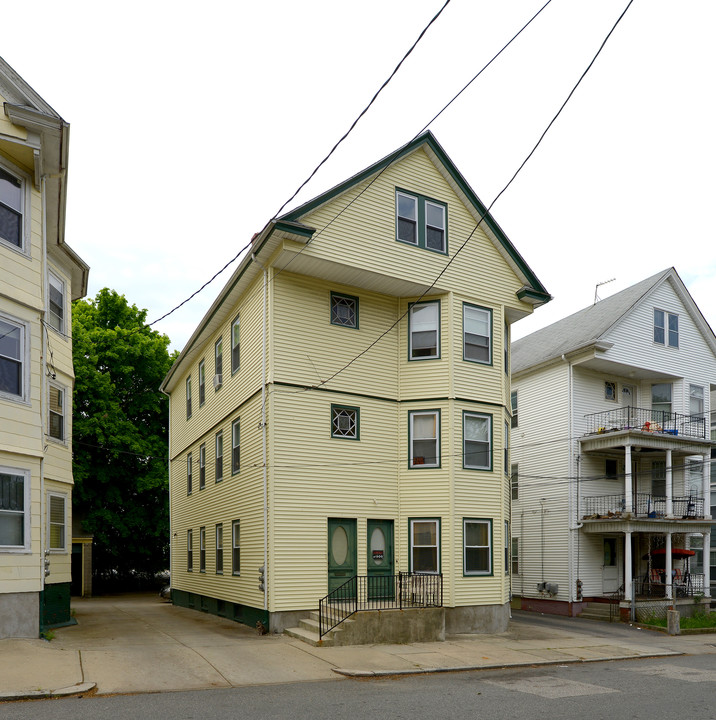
x,y
120,430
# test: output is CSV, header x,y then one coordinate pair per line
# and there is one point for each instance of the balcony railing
x,y
653,421
645,505
683,585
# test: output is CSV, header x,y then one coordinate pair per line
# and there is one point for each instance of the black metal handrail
x,y
646,420
643,505
379,592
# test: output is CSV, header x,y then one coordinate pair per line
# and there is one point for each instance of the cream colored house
x,y
39,277
343,408
612,453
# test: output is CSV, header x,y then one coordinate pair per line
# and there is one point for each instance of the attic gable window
x,y
11,208
666,328
421,221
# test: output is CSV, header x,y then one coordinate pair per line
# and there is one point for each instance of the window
x,y
421,221
236,547
515,481
56,420
477,441
219,549
658,478
189,551
14,498
425,438
661,401
345,422
610,391
506,341
666,328
507,548
12,356
11,209
477,551
513,404
696,478
506,462
188,474
218,362
424,331
610,469
188,397
219,463
235,447
202,466
57,303
476,334
515,556
202,549
696,403
344,310
235,345
425,546
202,383
57,521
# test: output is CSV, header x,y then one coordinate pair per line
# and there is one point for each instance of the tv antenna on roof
x,y
596,288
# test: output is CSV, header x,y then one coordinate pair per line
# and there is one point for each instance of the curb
x,y
77,689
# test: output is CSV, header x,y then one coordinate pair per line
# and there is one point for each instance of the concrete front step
x,y
309,628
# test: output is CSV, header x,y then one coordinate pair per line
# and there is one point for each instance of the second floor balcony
x,y
648,421
643,505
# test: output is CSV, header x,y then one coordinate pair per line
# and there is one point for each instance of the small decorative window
x,y
202,383
344,310
610,391
188,397
236,547
477,441
425,439
235,345
12,359
219,462
189,550
56,424
424,331
219,549
477,334
57,521
425,546
345,422
666,328
421,221
202,466
11,209
218,362
188,474
235,447
56,313
202,549
477,552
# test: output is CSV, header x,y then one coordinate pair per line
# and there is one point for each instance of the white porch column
x,y
627,566
669,485
628,500
707,484
669,579
707,564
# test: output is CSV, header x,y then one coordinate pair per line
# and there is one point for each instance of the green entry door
x,y
342,558
380,559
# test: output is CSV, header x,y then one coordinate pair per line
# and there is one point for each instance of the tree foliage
x,y
120,430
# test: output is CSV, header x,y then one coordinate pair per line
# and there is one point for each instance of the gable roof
x,y
588,326
533,290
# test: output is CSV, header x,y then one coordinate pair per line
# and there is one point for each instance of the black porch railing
x,y
384,592
683,584
644,505
647,420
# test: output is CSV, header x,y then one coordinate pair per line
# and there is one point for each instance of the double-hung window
x,y
477,334
56,419
235,345
219,461
11,209
425,545
424,438
513,406
477,441
661,403
666,328
515,553
421,221
696,403
515,481
235,446
202,549
219,549
424,331
189,550
202,383
188,397
14,509
218,363
188,474
12,359
236,547
57,302
202,466
477,550
57,521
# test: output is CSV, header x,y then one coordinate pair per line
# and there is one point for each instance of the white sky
x,y
192,123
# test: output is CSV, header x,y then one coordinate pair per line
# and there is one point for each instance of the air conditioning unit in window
x,y
217,382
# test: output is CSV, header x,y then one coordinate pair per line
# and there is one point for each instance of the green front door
x,y
380,559
342,558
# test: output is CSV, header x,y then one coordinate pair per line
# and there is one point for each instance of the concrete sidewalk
x,y
139,643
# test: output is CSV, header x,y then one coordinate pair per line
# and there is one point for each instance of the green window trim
x,y
218,363
202,383
202,466
235,345
219,546
345,422
421,221
490,442
219,456
475,546
412,456
188,474
236,446
188,397
189,550
236,547
344,310
422,341
412,545
479,343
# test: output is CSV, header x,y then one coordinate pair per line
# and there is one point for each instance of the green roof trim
x,y
427,138
541,297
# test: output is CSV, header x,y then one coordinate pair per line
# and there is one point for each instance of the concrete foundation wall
x,y
279,621
393,626
20,615
477,619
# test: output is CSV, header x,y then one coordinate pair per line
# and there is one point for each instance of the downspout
x,y
263,424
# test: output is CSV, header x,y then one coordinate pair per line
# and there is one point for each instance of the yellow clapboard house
x,y
342,410
39,277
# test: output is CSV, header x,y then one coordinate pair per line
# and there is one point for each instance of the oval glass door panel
x,y
339,545
377,546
